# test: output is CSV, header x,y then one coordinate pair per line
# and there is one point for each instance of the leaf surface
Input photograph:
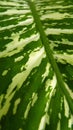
x,y
30,97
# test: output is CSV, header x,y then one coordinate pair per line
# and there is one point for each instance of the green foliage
x,y
30,96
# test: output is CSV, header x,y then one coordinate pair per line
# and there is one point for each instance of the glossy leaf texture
x,y
30,97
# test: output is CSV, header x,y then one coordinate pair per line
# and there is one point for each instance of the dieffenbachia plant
x,y
36,66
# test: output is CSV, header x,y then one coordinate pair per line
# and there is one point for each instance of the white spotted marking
x,y
16,105
4,72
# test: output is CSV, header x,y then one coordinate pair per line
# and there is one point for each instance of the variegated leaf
x,y
30,97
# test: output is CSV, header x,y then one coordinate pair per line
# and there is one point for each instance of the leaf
x,y
30,97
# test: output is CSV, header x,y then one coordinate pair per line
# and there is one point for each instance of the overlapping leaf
x,y
30,97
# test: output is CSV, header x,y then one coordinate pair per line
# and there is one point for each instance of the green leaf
x,y
30,94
